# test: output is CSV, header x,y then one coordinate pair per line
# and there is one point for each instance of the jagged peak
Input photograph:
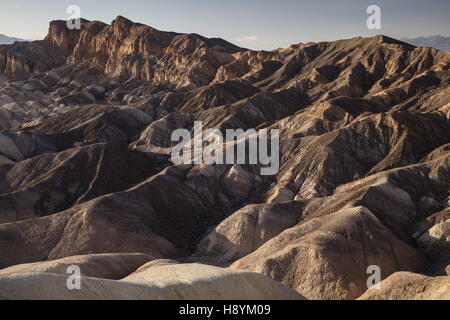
x,y
63,23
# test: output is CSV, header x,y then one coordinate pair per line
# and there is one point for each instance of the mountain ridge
x,y
9,40
438,42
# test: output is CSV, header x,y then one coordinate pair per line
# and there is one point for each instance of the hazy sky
x,y
256,24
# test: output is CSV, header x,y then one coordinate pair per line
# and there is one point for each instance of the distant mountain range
x,y
8,40
360,176
438,42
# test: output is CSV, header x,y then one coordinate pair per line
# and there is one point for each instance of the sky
x,y
255,24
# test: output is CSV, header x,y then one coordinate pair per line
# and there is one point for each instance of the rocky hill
x,y
86,118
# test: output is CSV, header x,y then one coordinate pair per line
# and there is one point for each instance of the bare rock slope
x,y
156,280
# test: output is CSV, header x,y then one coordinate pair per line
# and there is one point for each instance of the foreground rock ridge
x,y
86,118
